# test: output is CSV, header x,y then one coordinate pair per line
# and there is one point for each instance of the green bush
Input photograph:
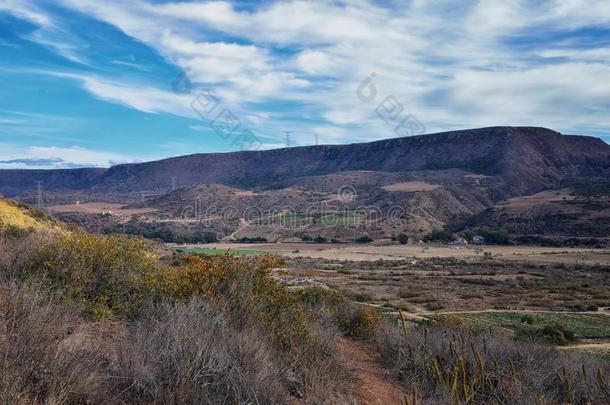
x,y
555,334
439,236
402,239
495,237
364,239
359,321
254,239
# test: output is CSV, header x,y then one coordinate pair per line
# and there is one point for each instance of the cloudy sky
x,y
97,82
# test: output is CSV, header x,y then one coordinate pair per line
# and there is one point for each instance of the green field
x,y
294,219
215,252
290,219
346,219
585,325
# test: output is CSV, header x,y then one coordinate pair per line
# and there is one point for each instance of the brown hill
x,y
425,182
529,159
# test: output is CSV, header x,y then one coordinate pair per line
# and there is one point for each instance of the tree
x,y
364,239
439,236
402,239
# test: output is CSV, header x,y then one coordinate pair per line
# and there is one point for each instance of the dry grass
x,y
192,354
450,364
35,365
457,285
216,330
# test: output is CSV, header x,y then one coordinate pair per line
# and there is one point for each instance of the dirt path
x,y
371,383
243,224
600,345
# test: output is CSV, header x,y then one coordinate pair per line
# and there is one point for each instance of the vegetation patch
x,y
585,325
450,364
195,329
217,252
16,216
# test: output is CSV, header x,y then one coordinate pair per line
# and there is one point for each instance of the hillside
x,y
411,184
528,158
17,215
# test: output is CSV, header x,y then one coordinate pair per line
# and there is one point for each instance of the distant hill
x,y
436,179
528,158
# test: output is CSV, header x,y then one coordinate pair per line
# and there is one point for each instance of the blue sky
x,y
98,82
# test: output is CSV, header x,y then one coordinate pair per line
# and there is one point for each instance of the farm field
x,y
295,220
220,251
584,325
515,287
372,252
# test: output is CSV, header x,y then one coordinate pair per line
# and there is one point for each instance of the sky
x,y
103,82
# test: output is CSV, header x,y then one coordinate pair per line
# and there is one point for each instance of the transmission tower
x,y
39,201
173,183
288,138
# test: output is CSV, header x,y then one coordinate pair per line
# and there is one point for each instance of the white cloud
x,y
24,9
450,63
52,157
143,98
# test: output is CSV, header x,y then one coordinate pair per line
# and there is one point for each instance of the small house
x,y
478,240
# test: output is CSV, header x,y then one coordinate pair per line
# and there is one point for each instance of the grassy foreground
x,y
88,319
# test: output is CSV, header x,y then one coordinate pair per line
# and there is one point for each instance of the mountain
x,y
528,158
434,179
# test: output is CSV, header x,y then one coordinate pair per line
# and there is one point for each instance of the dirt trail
x,y
243,224
371,383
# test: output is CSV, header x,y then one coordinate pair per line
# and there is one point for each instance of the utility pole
x,y
288,138
39,202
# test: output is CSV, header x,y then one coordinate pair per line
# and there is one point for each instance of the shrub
x,y
255,239
193,354
402,239
555,334
247,292
527,319
359,321
224,331
37,362
239,285
434,306
364,239
439,236
106,275
495,237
